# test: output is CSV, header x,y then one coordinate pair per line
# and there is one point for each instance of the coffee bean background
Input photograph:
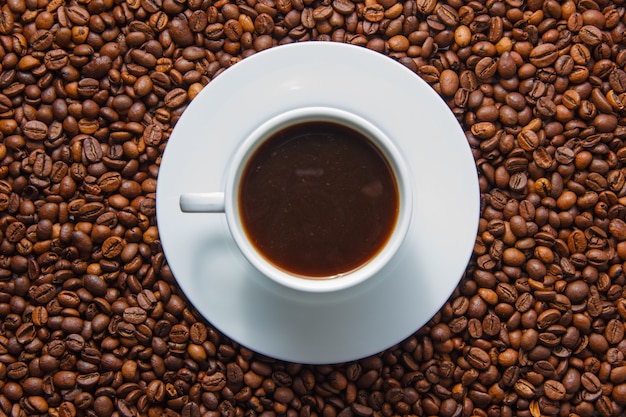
x,y
92,321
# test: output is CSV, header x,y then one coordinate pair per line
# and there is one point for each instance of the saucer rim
x,y
228,80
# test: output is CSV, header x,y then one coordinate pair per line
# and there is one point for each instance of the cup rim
x,y
379,139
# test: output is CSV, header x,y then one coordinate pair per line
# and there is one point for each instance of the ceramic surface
x,y
319,327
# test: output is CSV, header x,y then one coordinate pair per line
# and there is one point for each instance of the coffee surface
x,y
318,199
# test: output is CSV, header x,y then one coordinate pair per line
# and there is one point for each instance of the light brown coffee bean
x,y
524,388
543,55
554,390
590,35
478,358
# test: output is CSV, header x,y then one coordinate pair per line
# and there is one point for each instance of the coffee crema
x,y
318,199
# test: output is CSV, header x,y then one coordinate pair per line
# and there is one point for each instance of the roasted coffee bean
x,y
134,315
554,390
374,13
153,135
590,382
180,31
486,69
56,59
175,98
179,333
214,382
478,358
543,55
524,388
155,391
590,35
528,140
35,130
426,6
43,293
112,247
198,333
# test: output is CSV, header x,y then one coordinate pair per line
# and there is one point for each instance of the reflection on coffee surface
x,y
318,199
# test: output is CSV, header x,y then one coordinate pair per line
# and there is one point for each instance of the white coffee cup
x,y
226,201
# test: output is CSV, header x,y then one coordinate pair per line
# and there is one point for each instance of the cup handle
x,y
202,202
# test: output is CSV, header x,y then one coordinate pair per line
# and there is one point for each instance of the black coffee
x,y
318,199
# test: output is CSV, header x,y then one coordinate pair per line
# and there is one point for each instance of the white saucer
x,y
324,327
